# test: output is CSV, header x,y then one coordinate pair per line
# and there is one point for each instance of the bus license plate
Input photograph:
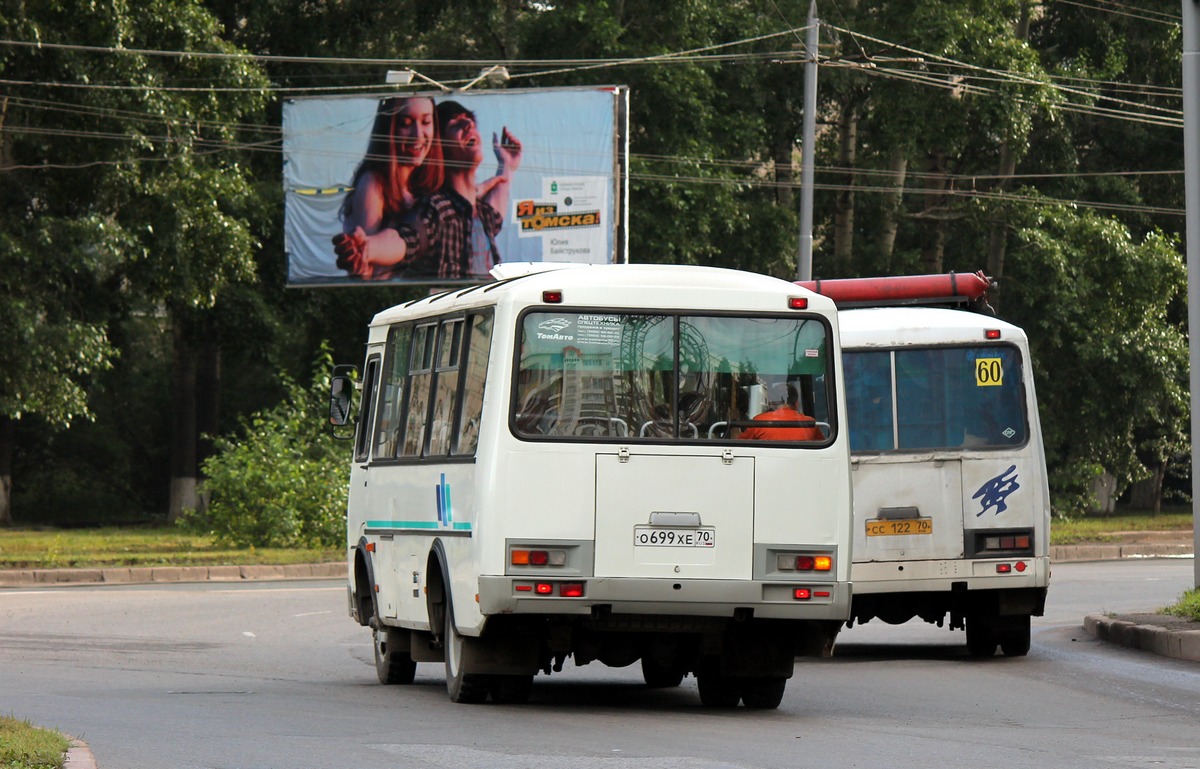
x,y
877,527
653,536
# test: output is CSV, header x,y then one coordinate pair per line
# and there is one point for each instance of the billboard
x,y
439,187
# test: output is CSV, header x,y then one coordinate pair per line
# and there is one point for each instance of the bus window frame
x,y
835,421
892,350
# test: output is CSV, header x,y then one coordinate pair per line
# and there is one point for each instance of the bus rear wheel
x,y
461,686
393,663
1014,638
763,693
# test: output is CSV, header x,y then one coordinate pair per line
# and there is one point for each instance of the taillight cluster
x,y
537,557
796,562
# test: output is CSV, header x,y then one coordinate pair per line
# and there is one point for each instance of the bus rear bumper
x,y
699,598
930,576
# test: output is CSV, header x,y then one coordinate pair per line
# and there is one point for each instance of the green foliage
x,y
1188,606
25,746
1110,360
283,481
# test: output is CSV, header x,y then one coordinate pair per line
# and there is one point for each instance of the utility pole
x,y
808,139
1191,176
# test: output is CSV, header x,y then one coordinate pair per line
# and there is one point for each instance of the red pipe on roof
x,y
903,288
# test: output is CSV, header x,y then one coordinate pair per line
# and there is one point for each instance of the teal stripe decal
x,y
456,526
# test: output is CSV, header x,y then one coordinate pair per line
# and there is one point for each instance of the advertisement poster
x,y
437,188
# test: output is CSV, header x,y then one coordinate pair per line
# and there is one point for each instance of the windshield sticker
x,y
604,330
989,372
995,493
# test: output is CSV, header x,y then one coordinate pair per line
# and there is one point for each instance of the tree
x,y
146,216
1110,364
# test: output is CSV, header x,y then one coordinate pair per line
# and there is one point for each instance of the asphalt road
x,y
276,675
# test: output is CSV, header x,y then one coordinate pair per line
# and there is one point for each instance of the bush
x,y
284,481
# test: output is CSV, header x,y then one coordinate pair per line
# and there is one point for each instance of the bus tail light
x,y
802,594
797,303
803,562
571,590
1001,543
537,557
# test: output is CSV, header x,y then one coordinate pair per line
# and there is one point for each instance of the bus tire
x,y
393,663
763,693
469,688
981,637
1014,640
718,691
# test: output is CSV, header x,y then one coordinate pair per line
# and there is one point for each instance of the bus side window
x,y
391,402
366,419
479,345
449,354
421,366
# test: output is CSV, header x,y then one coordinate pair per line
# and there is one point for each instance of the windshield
x,y
938,398
673,377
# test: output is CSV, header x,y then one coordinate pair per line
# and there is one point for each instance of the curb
x,y
150,574
79,756
1165,641
1064,553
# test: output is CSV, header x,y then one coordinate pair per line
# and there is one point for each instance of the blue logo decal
x,y
444,509
994,492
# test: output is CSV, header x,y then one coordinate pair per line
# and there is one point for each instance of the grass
x,y
1098,529
24,746
30,548
1188,606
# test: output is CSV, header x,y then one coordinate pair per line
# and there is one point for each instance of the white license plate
x,y
654,536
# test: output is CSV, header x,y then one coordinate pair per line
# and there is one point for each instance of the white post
x,y
1191,174
809,145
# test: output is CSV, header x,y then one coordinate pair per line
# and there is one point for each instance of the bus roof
x,y
621,285
892,326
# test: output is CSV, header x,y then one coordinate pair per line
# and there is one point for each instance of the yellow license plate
x,y
899,527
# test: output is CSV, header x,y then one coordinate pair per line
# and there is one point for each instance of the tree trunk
x,y
8,439
1146,494
998,235
183,427
785,170
933,249
843,215
889,225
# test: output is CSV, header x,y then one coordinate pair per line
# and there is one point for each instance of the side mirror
x,y
341,395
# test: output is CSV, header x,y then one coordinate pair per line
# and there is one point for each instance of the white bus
x,y
551,466
951,503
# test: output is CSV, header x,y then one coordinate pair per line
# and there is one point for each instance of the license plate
x,y
899,527
653,536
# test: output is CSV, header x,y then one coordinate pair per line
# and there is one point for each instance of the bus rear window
x,y
667,377
935,398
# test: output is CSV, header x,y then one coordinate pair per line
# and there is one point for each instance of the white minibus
x,y
558,465
951,502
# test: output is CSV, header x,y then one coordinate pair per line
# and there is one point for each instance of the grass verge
x,y
1099,529
1187,607
26,548
24,746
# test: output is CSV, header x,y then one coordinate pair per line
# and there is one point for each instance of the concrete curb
x,y
151,574
79,756
1166,641
1063,553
